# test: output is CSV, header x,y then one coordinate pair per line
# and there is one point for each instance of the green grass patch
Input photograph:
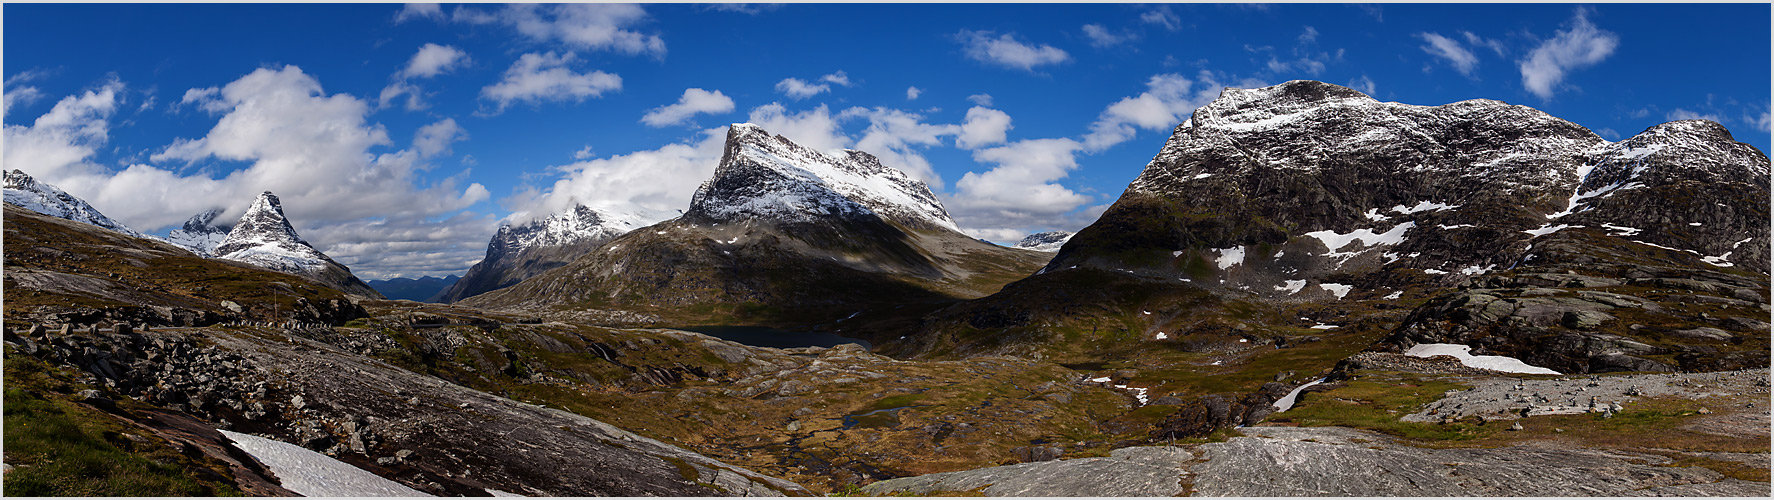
x,y
60,448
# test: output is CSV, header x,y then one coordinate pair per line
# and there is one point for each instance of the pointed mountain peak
x,y
264,237
1048,241
25,191
201,233
772,178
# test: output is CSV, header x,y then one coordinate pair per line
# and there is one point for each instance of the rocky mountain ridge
x,y
202,233
520,251
263,237
1047,241
27,192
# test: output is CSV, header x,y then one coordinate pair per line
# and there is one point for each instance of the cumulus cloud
x,y
434,139
693,101
655,183
1363,84
1579,46
1021,190
535,78
983,127
1006,51
980,99
800,89
1168,100
898,138
393,92
419,11
593,26
1162,16
1683,114
815,128
1760,122
316,151
1448,49
838,78
433,59
1101,37
912,93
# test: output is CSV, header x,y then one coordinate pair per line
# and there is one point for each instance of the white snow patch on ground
x,y
1374,214
1337,289
1498,363
1548,229
1693,223
313,474
1623,230
1229,257
1423,206
1322,326
1287,402
498,493
1394,295
1434,271
1176,253
1336,241
1101,379
1455,226
1161,336
1291,286
1202,176
1139,393
1474,270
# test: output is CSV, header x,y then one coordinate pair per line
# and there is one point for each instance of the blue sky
x,y
400,136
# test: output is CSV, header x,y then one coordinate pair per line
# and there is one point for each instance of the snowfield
x,y
1498,363
312,474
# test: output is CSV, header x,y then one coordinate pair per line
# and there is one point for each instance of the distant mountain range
x,y
424,289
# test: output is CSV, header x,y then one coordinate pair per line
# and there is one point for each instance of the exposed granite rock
x,y
1155,471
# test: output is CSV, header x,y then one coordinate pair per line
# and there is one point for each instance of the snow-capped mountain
x,y
24,191
769,177
1048,241
264,237
520,251
1328,181
201,234
785,228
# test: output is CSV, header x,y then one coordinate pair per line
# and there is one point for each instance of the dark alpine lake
x,y
761,336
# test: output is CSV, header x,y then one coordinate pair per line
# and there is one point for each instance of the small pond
x,y
761,336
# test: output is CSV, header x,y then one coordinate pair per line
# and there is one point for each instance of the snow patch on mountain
x,y
312,474
581,223
769,177
201,234
26,192
264,237
1047,241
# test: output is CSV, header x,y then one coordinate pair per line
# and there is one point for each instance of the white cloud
x,y
1306,56
1450,50
1100,37
434,139
1759,122
912,93
433,59
657,181
838,78
1683,114
896,137
800,89
1168,100
415,95
1609,134
598,26
1006,51
545,77
419,11
1478,41
815,128
1021,190
583,153
693,101
1363,84
1162,16
983,127
316,151
58,143
980,99
1580,46
19,95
